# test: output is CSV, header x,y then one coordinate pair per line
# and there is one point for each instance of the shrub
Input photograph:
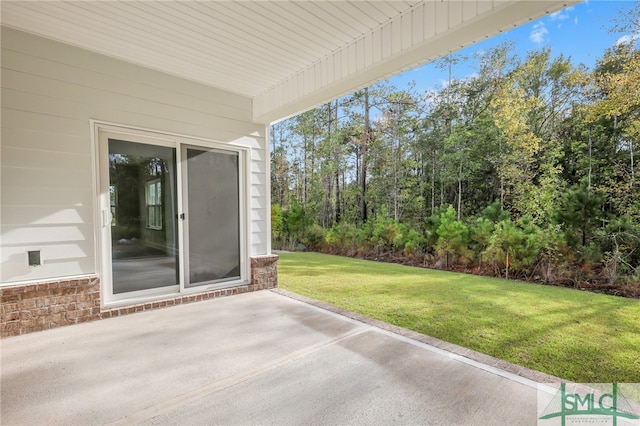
x,y
386,232
277,229
414,244
314,237
515,247
453,236
342,238
480,232
620,242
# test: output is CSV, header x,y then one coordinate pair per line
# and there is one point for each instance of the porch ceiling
x,y
286,55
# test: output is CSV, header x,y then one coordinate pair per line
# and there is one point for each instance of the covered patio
x,y
256,358
146,125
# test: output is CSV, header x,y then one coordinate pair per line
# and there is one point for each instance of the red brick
x,y
66,290
57,300
27,323
72,314
56,318
35,294
88,318
10,298
8,291
30,288
11,325
9,307
55,309
27,305
11,316
82,298
8,332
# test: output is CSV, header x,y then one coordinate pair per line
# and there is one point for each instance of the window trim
x,y
156,206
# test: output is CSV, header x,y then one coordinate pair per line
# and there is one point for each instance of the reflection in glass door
x,y
144,238
212,228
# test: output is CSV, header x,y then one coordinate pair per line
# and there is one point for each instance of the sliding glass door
x,y
143,207
171,216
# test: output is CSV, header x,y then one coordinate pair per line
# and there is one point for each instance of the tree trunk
x,y
336,149
365,144
433,183
459,188
632,164
590,158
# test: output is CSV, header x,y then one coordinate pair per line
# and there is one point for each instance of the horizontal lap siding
x,y
50,91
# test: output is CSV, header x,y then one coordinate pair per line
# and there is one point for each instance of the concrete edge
x,y
476,358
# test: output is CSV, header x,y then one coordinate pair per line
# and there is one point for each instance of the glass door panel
x,y
212,220
143,204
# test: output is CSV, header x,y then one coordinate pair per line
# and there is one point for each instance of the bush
x,y
620,242
386,232
342,238
432,223
296,221
514,247
414,244
314,237
277,230
453,237
480,232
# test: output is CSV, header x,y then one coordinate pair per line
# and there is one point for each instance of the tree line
x,y
525,169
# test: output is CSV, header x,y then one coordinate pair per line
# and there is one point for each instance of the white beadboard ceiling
x,y
286,55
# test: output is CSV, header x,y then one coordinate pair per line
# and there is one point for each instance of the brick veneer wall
x,y
264,271
25,308
35,307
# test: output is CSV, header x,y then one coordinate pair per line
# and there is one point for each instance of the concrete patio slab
x,y
256,358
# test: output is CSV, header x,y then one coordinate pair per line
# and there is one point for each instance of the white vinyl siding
x,y
50,92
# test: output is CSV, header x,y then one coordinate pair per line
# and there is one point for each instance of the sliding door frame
x,y
101,133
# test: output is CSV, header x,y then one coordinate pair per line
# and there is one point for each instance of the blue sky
x,y
580,32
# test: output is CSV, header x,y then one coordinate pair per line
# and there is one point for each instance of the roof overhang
x,y
287,56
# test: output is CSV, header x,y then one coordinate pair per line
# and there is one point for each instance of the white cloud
x,y
538,33
560,15
628,38
563,15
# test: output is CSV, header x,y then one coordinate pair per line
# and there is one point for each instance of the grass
x,y
576,335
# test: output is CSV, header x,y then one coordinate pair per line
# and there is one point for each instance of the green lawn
x,y
576,335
